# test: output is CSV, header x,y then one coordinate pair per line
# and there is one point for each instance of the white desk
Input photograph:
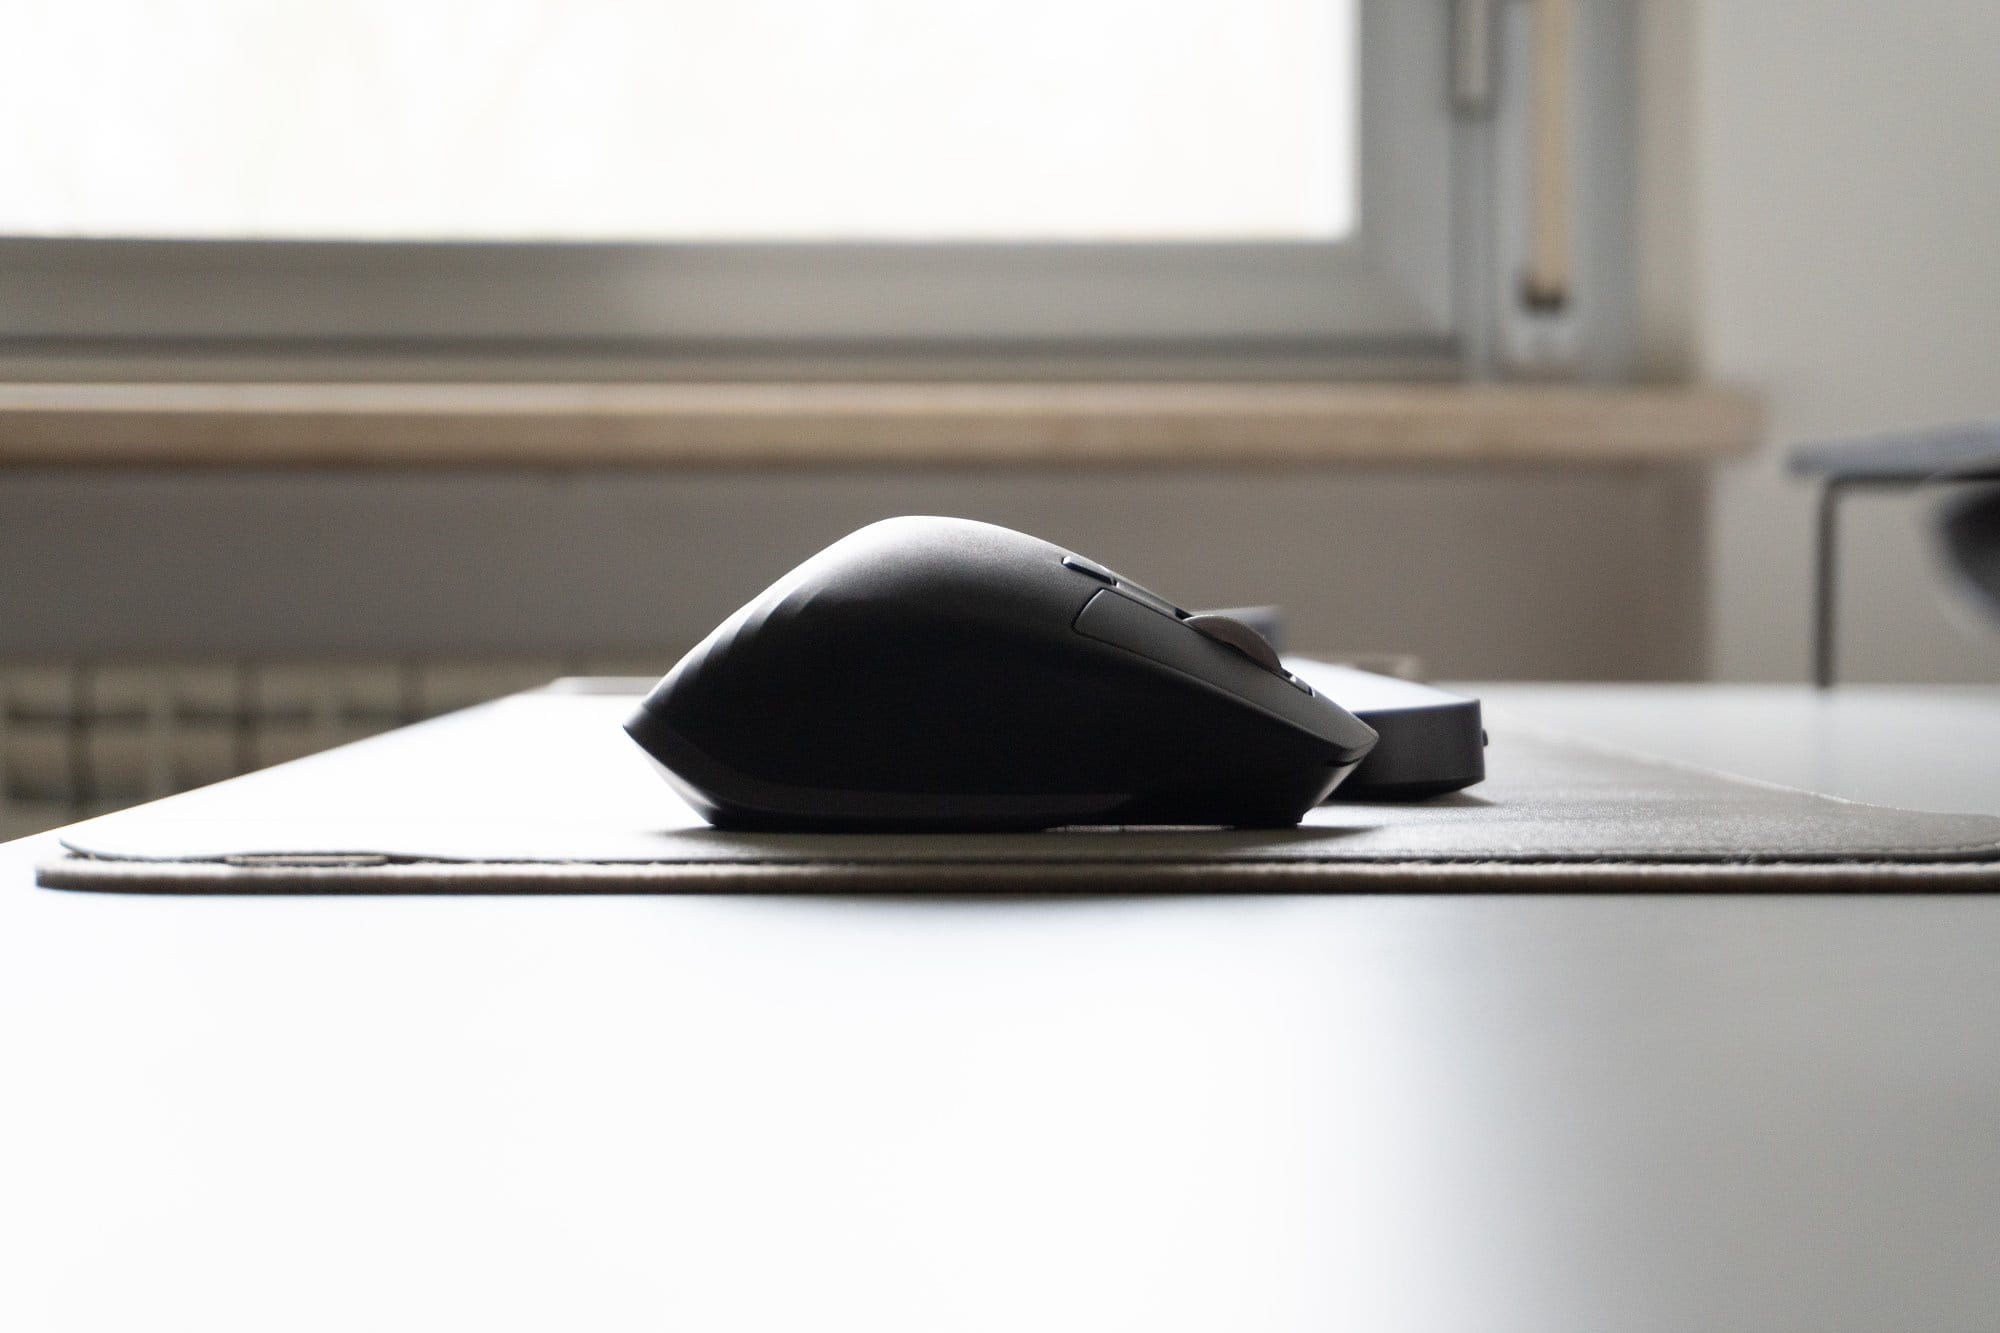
x,y
1924,748
1540,1114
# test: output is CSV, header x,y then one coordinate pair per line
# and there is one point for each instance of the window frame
x,y
1384,292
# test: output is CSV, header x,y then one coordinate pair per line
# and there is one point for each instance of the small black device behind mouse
x,y
938,673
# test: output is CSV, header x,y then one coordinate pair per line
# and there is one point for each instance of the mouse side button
x,y
1090,568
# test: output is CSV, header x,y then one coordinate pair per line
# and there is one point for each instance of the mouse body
x,y
940,673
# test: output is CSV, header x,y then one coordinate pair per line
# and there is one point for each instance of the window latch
x,y
1545,283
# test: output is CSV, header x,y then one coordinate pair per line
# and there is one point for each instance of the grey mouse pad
x,y
544,792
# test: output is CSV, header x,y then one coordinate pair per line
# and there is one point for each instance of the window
x,y
758,178
755,120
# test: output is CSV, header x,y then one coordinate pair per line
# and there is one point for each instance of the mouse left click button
x,y
1090,567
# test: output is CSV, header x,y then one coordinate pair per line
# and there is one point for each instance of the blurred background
x,y
358,360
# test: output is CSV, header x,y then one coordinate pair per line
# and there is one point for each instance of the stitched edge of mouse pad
x,y
544,793
1024,878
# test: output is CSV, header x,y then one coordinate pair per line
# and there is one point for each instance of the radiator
x,y
80,738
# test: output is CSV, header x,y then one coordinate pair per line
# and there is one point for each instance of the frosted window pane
x,y
1152,120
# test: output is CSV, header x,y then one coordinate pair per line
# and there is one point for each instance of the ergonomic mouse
x,y
938,673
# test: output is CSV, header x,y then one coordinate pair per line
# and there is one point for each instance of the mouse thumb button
x,y
1239,636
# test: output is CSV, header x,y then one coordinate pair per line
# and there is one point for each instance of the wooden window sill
x,y
808,424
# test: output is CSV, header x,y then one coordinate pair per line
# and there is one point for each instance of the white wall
x,y
1481,572
1846,261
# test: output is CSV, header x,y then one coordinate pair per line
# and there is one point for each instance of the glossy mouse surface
x,y
937,673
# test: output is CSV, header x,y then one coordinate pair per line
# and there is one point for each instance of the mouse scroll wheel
x,y
1240,637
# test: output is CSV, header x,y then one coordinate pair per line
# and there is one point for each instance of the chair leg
x,y
1825,590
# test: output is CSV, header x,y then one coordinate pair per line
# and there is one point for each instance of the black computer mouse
x,y
937,673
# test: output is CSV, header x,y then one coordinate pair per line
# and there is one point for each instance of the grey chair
x,y
1969,532
1968,522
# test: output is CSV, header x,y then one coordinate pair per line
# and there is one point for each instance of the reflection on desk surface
x,y
1919,747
